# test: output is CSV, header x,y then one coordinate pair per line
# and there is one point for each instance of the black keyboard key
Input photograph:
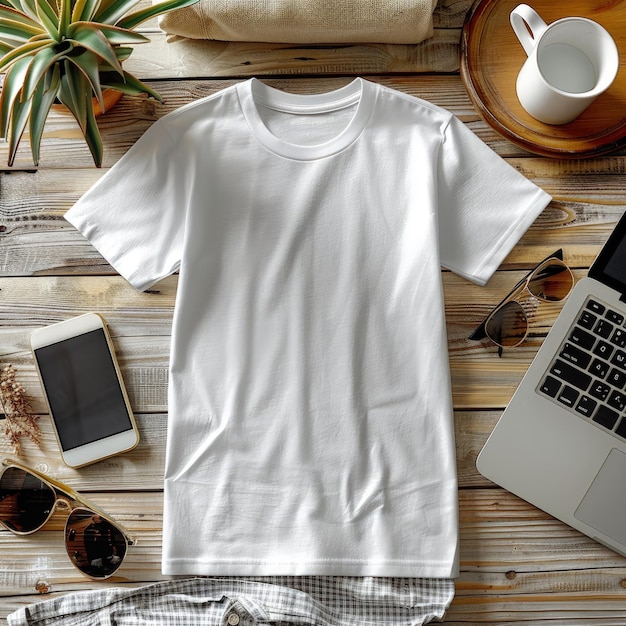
x,y
619,359
582,338
599,368
570,374
600,390
606,417
617,378
603,329
550,386
621,429
615,317
586,406
619,338
575,355
587,320
603,349
589,375
568,396
596,307
617,400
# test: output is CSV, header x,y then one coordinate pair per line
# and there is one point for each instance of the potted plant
x,y
66,51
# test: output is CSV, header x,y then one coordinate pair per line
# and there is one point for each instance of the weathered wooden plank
x,y
130,118
176,57
142,468
133,115
143,347
596,598
521,536
601,180
51,299
475,383
141,326
471,431
35,239
496,529
143,361
28,302
481,381
540,610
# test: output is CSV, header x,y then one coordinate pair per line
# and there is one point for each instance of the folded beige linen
x,y
304,21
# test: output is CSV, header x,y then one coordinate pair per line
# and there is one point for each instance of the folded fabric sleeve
x,y
304,21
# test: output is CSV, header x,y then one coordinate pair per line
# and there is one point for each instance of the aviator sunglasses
x,y
507,324
95,544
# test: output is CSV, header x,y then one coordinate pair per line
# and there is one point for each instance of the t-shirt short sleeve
x,y
484,204
135,214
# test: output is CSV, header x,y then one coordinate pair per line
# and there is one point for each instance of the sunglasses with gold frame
x,y
507,325
95,543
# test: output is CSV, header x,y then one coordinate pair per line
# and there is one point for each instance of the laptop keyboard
x,y
588,375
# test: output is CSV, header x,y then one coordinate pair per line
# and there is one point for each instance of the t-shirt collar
x,y
253,93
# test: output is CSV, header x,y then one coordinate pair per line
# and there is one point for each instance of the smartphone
x,y
84,390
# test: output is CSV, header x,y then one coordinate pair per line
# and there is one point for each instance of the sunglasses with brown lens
x,y
95,544
507,325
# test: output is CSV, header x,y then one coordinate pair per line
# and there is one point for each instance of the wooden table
x,y
518,565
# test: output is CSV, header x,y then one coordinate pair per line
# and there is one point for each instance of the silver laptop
x,y
561,442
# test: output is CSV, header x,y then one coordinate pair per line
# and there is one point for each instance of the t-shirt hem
x,y
404,569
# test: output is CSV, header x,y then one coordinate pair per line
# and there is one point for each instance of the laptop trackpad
x,y
604,504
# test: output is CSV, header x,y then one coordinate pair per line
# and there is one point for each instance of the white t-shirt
x,y
310,417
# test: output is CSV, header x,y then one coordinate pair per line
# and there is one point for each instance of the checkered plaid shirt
x,y
279,601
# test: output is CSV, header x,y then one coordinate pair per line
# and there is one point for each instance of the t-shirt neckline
x,y
253,93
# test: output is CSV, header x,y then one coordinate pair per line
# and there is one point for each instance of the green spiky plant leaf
x,y
67,51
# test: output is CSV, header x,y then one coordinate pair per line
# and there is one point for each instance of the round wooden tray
x,y
492,57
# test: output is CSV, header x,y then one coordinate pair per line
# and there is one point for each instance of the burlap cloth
x,y
304,21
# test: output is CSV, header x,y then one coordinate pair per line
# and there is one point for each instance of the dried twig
x,y
20,421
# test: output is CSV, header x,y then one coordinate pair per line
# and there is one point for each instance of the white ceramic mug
x,y
570,62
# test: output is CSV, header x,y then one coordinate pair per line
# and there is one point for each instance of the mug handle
x,y
528,26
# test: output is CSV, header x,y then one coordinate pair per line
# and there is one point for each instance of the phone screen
x,y
83,391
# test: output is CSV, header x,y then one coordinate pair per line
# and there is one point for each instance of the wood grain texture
x,y
518,565
122,126
141,325
515,560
